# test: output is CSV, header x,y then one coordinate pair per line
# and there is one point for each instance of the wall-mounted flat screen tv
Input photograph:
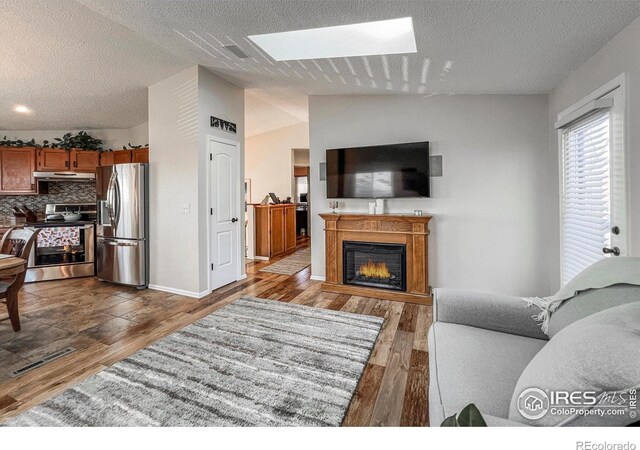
x,y
380,171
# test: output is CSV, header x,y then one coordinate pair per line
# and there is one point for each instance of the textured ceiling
x,y
463,46
83,65
74,68
267,110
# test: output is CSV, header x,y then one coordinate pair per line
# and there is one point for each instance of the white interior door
x,y
224,212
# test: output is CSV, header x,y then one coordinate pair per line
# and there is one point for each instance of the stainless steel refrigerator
x,y
122,252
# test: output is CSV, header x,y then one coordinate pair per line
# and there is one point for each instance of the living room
x,y
351,213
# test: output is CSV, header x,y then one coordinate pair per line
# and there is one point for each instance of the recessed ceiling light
x,y
384,37
21,109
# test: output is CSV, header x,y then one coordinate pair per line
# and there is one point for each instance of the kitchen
x,y
88,203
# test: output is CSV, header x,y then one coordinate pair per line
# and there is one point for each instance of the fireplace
x,y
376,265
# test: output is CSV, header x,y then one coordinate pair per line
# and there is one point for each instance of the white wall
x,y
139,134
301,155
179,111
173,167
269,162
620,55
490,206
112,138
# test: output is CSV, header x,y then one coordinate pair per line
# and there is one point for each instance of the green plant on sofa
x,y
470,416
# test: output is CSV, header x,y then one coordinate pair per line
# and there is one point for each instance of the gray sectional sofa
x,y
480,345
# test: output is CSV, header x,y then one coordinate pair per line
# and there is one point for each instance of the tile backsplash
x,y
59,192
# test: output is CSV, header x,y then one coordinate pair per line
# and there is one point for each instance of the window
x,y
593,190
302,189
586,219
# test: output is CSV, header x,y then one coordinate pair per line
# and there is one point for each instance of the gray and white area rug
x,y
299,260
253,362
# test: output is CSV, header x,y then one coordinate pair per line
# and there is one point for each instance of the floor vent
x,y
42,362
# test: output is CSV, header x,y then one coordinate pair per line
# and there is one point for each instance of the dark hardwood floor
x,y
106,323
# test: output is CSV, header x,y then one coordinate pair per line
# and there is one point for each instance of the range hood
x,y
64,176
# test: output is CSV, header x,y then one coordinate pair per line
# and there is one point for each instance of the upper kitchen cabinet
x,y
115,157
77,160
137,155
53,159
16,170
140,155
84,160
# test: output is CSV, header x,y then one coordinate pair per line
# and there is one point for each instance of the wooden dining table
x,y
11,265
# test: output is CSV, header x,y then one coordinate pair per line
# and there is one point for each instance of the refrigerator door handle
x,y
110,201
117,244
118,199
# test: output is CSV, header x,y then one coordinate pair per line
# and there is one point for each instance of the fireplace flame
x,y
374,270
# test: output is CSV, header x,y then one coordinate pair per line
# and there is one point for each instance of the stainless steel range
x,y
65,247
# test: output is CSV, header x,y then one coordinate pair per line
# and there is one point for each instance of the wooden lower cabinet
x,y
289,229
16,170
275,229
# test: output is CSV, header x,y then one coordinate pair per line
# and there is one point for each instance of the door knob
x,y
235,219
615,230
615,251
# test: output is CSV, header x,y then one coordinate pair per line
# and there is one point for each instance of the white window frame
x,y
618,141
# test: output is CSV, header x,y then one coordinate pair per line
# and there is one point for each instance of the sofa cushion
x,y
599,354
474,365
590,302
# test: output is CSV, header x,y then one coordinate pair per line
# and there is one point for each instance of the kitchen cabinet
x,y
275,229
53,160
16,170
84,160
122,156
106,158
76,160
290,229
140,155
115,157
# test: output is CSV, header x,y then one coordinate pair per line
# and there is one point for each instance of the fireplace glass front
x,y
374,264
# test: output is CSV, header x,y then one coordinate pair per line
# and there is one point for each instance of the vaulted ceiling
x,y
87,63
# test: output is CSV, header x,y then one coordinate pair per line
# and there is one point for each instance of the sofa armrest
x,y
490,311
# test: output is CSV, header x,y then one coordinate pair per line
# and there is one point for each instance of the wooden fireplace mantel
x,y
407,229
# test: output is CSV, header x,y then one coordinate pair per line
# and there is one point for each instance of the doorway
x,y
301,194
225,242
593,193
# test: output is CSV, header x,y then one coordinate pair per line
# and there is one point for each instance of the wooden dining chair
x,y
16,242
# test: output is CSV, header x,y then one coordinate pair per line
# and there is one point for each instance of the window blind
x,y
586,198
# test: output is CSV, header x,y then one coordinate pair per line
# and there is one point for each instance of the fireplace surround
x,y
409,231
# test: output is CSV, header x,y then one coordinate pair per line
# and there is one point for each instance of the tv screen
x,y
381,171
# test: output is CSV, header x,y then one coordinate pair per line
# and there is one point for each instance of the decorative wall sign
x,y
225,125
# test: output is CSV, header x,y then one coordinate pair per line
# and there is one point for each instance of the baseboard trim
x,y
261,258
191,294
317,278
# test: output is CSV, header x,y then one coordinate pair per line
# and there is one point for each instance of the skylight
x,y
384,37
